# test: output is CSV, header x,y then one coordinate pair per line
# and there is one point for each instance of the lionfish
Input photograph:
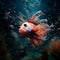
x,y
34,30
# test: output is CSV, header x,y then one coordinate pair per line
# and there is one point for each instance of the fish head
x,y
25,28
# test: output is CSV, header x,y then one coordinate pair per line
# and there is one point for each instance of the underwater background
x,y
15,47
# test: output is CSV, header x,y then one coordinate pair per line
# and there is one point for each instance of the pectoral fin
x,y
35,42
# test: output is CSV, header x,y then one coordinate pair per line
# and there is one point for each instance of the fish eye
x,y
25,25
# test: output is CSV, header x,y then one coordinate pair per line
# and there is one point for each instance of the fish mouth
x,y
26,33
23,32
